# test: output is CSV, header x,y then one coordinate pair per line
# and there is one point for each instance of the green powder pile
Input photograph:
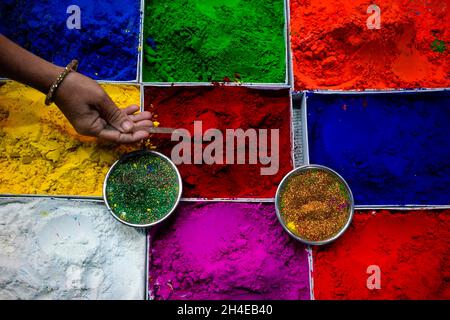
x,y
142,189
214,40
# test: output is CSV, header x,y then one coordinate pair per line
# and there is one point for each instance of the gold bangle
x,y
72,66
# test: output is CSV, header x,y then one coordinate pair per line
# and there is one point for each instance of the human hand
x,y
92,112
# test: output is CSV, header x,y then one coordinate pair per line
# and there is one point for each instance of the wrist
x,y
72,66
63,88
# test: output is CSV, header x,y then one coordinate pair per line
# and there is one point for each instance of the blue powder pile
x,y
393,149
106,45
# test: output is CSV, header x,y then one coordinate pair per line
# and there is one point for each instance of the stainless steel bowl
x,y
137,154
278,210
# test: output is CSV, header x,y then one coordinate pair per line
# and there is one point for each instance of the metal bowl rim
x,y
133,154
280,219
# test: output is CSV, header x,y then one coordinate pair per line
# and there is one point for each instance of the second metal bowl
x,y
281,187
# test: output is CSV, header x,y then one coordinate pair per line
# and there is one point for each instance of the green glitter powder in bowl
x,y
142,188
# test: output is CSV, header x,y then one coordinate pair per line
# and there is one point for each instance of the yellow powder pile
x,y
40,152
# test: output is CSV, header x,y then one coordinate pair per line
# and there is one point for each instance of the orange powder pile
x,y
40,152
334,49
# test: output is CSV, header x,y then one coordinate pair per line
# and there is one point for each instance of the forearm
x,y
21,65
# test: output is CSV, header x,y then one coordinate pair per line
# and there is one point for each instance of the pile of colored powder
x,y
334,49
106,45
142,188
40,152
68,250
411,250
392,149
314,204
224,107
198,40
236,251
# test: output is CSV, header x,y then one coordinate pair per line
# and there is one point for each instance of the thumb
x,y
114,116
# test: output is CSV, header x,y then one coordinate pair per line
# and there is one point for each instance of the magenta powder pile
x,y
234,251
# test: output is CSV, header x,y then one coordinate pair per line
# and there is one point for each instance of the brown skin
x,y
84,103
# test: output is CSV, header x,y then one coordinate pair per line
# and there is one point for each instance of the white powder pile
x,y
65,249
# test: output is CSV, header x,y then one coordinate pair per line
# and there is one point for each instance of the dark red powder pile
x,y
411,248
223,107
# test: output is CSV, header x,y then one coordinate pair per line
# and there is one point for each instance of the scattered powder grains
x,y
333,48
392,149
198,40
236,251
142,188
105,26
222,108
410,248
40,152
314,204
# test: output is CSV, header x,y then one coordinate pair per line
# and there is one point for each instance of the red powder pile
x,y
334,49
224,107
412,250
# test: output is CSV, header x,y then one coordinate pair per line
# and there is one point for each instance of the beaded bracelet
x,y
72,66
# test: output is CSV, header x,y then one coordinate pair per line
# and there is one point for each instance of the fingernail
x,y
127,125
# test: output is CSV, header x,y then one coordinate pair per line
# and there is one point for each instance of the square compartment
x,y
227,251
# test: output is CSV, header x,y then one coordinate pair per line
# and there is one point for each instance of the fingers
x,y
116,117
143,125
124,125
120,137
141,116
131,109
140,132
145,115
